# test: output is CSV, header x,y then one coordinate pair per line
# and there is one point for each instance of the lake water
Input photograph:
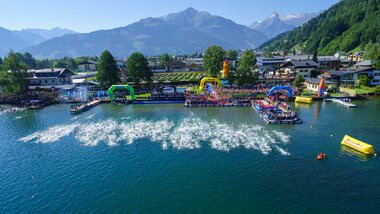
x,y
171,159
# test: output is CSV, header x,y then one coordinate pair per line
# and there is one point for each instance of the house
x,y
88,84
313,83
341,55
329,62
351,75
298,67
356,56
153,62
269,64
375,77
298,57
178,65
50,78
194,61
87,66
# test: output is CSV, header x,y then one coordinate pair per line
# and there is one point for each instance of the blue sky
x,y
90,15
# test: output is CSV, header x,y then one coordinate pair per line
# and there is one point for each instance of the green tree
x,y
364,80
59,64
298,82
246,71
65,62
13,75
315,55
165,60
44,63
29,60
268,53
350,63
314,73
231,55
137,68
373,53
107,71
213,60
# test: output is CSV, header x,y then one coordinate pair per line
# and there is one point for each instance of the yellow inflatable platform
x,y
304,100
358,145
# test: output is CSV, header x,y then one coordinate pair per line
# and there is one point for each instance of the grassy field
x,y
337,95
183,76
363,91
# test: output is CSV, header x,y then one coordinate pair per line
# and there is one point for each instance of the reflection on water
x,y
298,106
353,153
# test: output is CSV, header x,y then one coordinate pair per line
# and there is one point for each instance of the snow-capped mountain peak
x,y
276,24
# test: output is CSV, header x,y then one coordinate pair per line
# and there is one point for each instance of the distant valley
x,y
21,39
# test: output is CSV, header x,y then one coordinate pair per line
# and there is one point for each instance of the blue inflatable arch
x,y
279,88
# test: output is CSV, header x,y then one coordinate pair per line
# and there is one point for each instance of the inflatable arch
x,y
121,87
279,88
209,79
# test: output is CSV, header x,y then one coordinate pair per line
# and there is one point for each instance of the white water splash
x,y
187,134
283,137
51,135
90,117
11,110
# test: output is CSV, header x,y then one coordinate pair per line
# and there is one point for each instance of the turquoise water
x,y
171,159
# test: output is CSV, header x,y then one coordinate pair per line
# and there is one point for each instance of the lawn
x,y
181,76
363,91
336,95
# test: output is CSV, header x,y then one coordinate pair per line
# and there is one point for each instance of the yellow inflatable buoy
x,y
358,145
308,100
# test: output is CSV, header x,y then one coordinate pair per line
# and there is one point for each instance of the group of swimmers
x,y
8,109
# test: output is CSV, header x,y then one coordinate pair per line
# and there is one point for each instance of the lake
x,y
171,159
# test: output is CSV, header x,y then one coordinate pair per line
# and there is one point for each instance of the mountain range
x,y
177,33
275,24
20,39
349,25
187,31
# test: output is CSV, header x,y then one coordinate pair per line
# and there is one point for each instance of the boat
x,y
308,100
321,156
357,145
274,119
77,109
34,104
262,105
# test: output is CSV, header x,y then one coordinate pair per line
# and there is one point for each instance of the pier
x,y
77,109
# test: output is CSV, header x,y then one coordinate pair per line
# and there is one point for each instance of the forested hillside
x,y
346,26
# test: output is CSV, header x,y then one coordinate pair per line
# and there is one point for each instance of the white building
x,y
269,64
312,84
301,67
50,78
87,66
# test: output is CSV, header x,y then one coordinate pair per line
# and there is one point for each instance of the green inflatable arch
x,y
121,87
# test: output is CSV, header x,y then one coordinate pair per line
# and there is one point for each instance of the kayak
x,y
321,156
